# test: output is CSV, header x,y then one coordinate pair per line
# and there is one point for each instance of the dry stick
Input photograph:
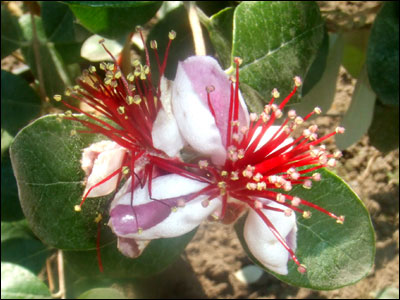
x,y
36,52
198,39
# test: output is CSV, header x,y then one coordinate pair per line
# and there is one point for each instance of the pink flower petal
x,y
165,217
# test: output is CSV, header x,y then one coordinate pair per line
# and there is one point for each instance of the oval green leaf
x,y
19,103
383,54
335,255
358,117
45,158
384,130
277,41
112,20
19,283
102,293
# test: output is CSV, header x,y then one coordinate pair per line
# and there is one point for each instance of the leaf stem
x,y
36,52
198,38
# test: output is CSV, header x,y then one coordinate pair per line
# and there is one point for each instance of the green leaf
x,y
383,54
6,140
277,41
157,256
19,283
355,50
13,230
27,252
19,103
384,130
335,255
11,35
318,66
45,157
10,205
323,93
114,4
219,28
62,29
113,19
55,77
358,117
102,293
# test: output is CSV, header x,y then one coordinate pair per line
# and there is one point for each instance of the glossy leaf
x,y
11,35
19,103
10,205
383,54
93,51
355,50
13,230
277,41
361,108
27,252
113,20
19,283
45,157
335,255
102,293
384,130
63,30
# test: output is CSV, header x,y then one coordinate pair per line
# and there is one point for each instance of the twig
x,y
36,52
61,278
198,38
368,168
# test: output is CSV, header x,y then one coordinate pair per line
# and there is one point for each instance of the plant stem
x,y
198,38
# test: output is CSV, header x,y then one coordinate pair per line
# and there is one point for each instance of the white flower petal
x,y
162,222
99,160
165,132
195,121
264,245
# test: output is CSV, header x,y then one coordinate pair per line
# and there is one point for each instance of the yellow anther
x,y
172,35
121,110
136,63
137,99
146,69
275,93
174,208
117,75
153,44
58,98
307,214
68,113
297,81
125,170
67,92
110,67
72,132
107,80
140,230
103,66
340,220
129,100
98,218
234,175
222,184
224,173
130,77
77,208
